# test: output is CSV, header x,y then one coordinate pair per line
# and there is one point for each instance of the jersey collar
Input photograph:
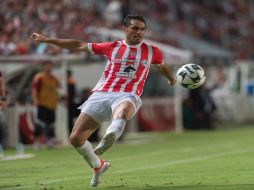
x,y
134,46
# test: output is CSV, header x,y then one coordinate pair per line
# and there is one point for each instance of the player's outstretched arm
x,y
70,44
165,71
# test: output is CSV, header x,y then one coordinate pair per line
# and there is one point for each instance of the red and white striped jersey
x,y
127,65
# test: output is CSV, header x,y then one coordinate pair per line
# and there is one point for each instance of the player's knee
x,y
125,113
75,140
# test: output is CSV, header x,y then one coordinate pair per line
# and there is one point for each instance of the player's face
x,y
48,67
135,32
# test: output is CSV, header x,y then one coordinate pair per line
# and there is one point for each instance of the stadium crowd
x,y
228,24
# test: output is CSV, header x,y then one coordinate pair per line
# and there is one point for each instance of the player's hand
x,y
172,82
38,37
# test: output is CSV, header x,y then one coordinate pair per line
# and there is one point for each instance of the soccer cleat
x,y
98,173
106,142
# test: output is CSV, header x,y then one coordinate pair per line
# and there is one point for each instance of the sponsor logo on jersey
x,y
129,69
128,72
132,61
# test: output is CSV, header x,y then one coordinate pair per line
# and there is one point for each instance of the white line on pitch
x,y
183,161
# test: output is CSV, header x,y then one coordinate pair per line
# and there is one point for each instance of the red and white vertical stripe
x,y
119,57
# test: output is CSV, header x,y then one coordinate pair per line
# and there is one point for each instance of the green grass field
x,y
214,160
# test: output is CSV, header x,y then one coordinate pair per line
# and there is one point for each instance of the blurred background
x,y
218,35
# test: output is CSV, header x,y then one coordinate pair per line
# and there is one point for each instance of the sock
x,y
86,150
117,127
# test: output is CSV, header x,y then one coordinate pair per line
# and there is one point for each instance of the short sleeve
x,y
36,82
99,48
157,56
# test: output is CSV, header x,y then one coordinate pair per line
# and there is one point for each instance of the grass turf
x,y
210,160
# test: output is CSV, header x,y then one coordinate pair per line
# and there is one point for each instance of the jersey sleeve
x,y
157,56
99,48
36,82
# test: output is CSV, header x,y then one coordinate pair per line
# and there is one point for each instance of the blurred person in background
x,y
198,109
45,98
71,90
2,106
116,96
2,92
3,123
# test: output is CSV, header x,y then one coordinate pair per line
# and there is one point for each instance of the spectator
x,y
113,13
225,23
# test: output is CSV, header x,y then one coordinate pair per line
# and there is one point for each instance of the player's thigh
x,y
124,110
84,127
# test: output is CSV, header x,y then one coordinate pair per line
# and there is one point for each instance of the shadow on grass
x,y
171,187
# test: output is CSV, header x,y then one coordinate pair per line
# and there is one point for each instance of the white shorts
x,y
100,105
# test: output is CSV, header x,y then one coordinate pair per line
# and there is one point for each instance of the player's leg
x,y
83,128
40,126
123,112
50,127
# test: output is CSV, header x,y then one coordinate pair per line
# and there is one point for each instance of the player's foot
x,y
107,141
98,173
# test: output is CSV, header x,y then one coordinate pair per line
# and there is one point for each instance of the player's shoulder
x,y
110,44
154,47
38,76
54,77
116,43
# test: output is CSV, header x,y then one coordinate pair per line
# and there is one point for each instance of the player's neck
x,y
47,72
126,42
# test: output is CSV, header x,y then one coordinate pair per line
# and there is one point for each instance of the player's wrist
x,y
171,79
47,40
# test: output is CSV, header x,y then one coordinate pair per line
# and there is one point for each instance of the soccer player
x,y
116,96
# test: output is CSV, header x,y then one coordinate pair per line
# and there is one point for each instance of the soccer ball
x,y
190,76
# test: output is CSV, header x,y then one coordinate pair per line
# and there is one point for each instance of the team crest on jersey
x,y
144,62
132,54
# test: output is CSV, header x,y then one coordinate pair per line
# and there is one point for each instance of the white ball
x,y
191,76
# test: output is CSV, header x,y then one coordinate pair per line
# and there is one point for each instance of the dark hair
x,y
46,62
128,19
